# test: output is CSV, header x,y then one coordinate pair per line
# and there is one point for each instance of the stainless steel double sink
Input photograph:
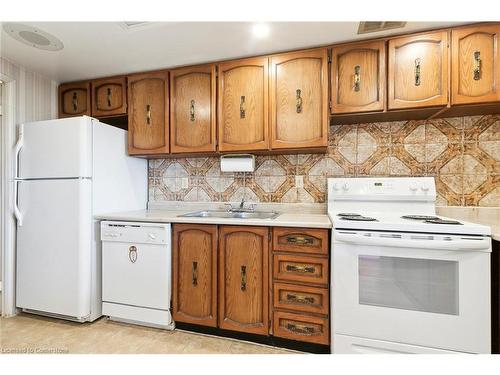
x,y
233,214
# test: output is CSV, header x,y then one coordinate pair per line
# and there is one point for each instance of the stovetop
x,y
394,221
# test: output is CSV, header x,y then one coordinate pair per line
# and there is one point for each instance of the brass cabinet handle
x,y
195,273
191,111
417,72
243,278
298,101
299,240
75,102
109,97
242,106
299,328
301,269
357,78
477,66
132,254
148,114
297,298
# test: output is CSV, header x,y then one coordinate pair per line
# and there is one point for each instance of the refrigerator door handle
x,y
17,149
17,211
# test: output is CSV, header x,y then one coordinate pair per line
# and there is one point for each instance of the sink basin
x,y
234,214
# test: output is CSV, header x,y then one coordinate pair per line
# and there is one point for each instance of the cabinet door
x,y
148,114
358,77
74,99
418,71
109,97
243,105
192,110
244,279
195,274
299,99
475,65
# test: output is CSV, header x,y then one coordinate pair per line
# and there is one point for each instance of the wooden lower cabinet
x,y
244,279
222,278
194,297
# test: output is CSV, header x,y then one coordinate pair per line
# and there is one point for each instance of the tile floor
x,y
27,333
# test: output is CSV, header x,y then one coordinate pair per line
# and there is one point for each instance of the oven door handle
x,y
481,243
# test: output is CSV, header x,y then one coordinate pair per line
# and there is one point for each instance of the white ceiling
x,y
97,49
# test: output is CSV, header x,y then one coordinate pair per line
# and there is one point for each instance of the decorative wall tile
x,y
462,154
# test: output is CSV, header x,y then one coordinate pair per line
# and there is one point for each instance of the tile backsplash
x,y
463,154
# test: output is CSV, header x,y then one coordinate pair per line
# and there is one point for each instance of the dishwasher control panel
x,y
121,231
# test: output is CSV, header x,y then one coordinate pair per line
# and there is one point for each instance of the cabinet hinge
x,y
269,235
330,104
329,59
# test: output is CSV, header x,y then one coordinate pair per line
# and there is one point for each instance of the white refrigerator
x,y
69,170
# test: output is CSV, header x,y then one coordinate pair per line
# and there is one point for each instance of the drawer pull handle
x,y
477,66
357,78
191,111
417,72
300,240
109,97
132,254
195,273
297,298
298,101
299,328
242,106
243,278
75,102
301,269
148,114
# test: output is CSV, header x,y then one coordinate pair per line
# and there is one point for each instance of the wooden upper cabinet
x,y
243,105
148,113
109,96
244,279
418,71
299,99
74,99
358,77
475,64
194,297
192,111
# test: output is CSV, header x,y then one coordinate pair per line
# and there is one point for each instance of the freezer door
x,y
55,148
54,246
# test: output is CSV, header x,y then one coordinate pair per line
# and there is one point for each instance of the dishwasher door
x,y
136,264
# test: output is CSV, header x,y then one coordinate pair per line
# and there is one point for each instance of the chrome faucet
x,y
240,207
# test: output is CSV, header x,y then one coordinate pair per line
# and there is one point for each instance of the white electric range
x,y
403,279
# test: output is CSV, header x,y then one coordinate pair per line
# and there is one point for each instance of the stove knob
x,y
413,187
425,187
345,187
335,186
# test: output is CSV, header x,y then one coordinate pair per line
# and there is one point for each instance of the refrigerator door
x,y
55,148
54,246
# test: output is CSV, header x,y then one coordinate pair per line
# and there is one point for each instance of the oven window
x,y
410,284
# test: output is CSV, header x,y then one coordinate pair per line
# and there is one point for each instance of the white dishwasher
x,y
136,272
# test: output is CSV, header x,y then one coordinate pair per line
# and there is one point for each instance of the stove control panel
x,y
390,188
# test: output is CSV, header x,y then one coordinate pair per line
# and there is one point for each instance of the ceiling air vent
x,y
376,26
133,25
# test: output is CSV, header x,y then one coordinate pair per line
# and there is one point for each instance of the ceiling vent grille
x,y
376,26
133,25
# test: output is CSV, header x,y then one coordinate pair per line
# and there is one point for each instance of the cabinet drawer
x,y
300,268
301,327
301,298
300,240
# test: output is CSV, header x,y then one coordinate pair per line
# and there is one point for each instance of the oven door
x,y
420,289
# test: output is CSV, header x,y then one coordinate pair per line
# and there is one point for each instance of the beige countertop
x,y
489,216
304,217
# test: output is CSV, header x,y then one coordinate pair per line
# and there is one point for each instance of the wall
x,y
463,154
36,96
